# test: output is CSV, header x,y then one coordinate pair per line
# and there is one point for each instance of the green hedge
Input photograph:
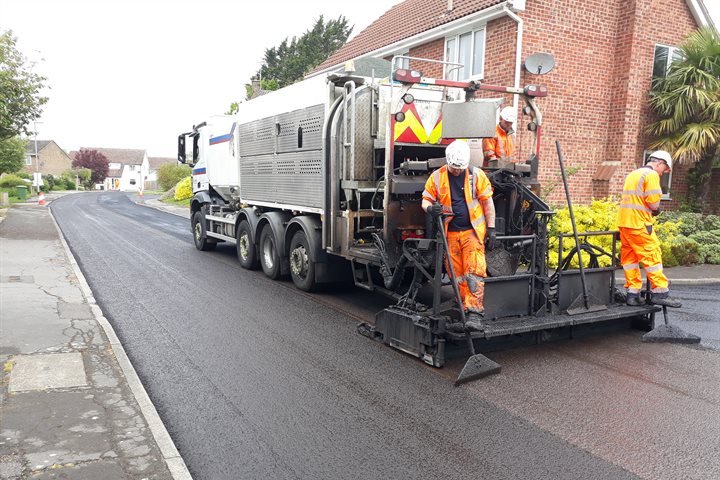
x,y
685,238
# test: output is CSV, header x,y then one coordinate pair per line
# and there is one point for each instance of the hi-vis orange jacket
x,y
499,147
641,195
437,189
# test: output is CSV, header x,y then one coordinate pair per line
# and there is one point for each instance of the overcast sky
x,y
136,73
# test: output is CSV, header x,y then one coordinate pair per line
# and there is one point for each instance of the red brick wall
x,y
433,50
597,103
597,106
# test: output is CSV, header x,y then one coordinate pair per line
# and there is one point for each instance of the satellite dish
x,y
539,63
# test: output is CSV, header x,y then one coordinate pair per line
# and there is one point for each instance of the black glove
x,y
435,209
490,239
655,213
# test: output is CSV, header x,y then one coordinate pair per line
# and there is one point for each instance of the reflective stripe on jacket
x,y
437,189
640,196
500,147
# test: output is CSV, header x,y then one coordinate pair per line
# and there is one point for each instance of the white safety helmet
x,y
508,114
661,155
458,154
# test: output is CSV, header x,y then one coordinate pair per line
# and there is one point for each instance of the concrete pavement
x,y
72,404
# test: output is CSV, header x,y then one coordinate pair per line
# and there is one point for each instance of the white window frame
x,y
455,74
668,60
28,160
403,62
665,196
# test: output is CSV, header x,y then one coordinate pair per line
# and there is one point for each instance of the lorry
x,y
322,181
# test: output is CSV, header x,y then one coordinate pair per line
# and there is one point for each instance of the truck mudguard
x,y
313,232
277,221
248,213
199,199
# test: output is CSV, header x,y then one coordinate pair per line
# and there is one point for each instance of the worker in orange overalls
x,y
500,147
466,193
639,206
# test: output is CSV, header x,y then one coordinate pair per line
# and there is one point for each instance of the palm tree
x,y
687,102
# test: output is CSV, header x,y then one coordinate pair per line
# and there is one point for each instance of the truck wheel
x,y
199,233
245,247
302,269
269,255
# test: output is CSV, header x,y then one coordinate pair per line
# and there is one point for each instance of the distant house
x,y
128,170
155,163
50,158
606,54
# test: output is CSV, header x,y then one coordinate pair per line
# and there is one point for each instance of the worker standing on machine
x,y
500,147
639,206
467,195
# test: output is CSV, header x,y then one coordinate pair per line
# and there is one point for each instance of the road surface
x,y
255,379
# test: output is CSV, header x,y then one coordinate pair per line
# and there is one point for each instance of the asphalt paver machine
x,y
525,302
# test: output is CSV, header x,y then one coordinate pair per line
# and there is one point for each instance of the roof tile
x,y
120,155
402,21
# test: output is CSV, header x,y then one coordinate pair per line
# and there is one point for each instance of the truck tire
x,y
246,251
269,255
199,234
302,268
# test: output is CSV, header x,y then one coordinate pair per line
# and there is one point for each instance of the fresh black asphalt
x,y
255,380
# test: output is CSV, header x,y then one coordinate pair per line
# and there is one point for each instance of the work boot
x,y
475,322
663,298
634,300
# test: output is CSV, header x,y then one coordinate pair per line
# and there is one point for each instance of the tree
x,y
95,161
266,85
233,107
294,58
12,155
169,174
19,89
687,102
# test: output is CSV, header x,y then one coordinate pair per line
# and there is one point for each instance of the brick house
x,y
606,53
128,168
52,159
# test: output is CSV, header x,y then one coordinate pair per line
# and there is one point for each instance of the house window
x,y
665,180
28,159
402,62
664,57
132,181
467,49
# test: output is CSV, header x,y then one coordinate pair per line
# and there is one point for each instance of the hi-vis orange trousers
x,y
638,246
467,254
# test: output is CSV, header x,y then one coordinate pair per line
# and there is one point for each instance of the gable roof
x,y
123,156
155,162
402,21
30,145
414,17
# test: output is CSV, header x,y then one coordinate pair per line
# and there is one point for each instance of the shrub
x,y
598,216
183,189
168,175
683,251
709,243
691,222
601,215
11,181
69,184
